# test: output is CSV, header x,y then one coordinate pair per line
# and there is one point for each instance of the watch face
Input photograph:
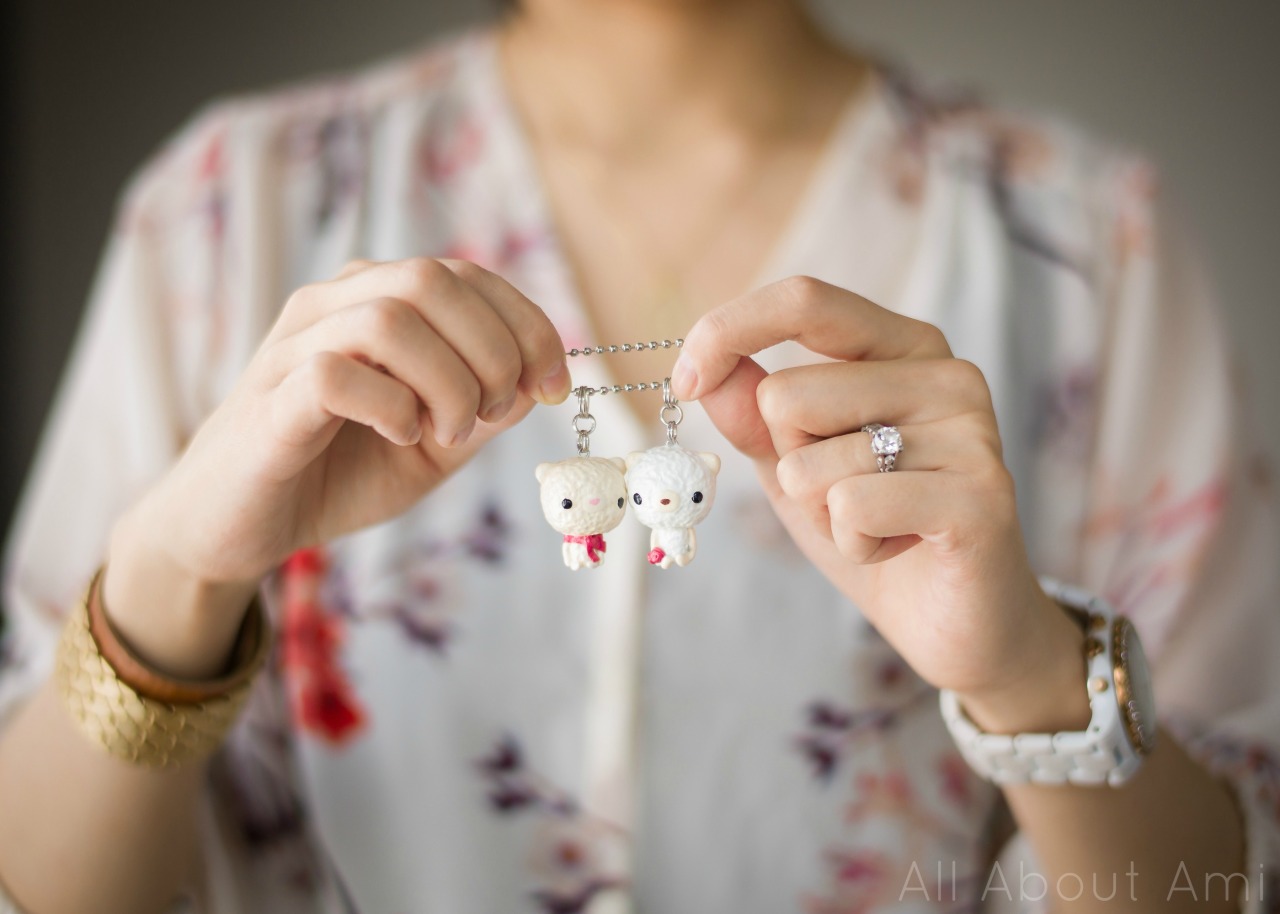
x,y
1133,687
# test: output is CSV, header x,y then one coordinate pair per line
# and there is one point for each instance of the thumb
x,y
732,407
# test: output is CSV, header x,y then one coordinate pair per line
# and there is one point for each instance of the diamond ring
x,y
886,444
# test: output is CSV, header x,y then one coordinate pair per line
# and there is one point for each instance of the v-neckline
x,y
846,138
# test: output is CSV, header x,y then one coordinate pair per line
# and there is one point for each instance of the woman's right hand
x,y
370,389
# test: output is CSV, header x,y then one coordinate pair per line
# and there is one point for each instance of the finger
x,y
311,302
392,335
960,444
545,374
482,316
807,473
454,310
355,266
947,509
310,404
812,402
732,408
823,318
465,320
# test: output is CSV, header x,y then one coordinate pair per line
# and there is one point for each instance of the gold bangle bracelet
x,y
132,726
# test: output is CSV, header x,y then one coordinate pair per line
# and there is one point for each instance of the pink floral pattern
x,y
324,703
568,857
1013,152
423,609
864,876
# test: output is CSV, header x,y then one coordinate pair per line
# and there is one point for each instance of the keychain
x,y
583,497
671,488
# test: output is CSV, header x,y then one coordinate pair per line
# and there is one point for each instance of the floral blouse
x,y
453,722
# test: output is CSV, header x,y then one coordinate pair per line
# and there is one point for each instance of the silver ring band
x,y
886,444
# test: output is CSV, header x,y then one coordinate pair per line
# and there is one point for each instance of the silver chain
x,y
625,347
671,415
622,388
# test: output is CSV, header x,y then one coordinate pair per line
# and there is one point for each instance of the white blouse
x,y
453,722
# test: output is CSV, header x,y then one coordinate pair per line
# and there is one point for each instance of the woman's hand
x,y
370,389
932,552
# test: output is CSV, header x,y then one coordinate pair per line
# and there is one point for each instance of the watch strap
x,y
1101,754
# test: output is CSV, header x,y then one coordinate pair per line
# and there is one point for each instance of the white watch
x,y
1121,731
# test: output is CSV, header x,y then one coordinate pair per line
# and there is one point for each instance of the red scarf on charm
x,y
594,542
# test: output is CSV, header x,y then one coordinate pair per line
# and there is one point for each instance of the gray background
x,y
93,86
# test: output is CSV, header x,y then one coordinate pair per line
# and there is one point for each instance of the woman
x,y
325,354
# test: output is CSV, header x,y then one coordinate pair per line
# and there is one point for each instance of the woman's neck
x,y
604,75
674,140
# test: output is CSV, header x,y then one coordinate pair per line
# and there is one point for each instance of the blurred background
x,y
90,89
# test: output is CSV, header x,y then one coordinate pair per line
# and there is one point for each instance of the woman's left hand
x,y
931,553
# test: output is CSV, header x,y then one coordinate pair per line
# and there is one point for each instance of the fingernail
x,y
415,434
499,409
462,435
554,387
684,380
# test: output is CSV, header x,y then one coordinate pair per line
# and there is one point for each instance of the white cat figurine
x,y
672,489
583,498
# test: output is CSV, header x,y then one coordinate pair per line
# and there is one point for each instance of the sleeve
x,y
136,386
1180,529
120,416
243,204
